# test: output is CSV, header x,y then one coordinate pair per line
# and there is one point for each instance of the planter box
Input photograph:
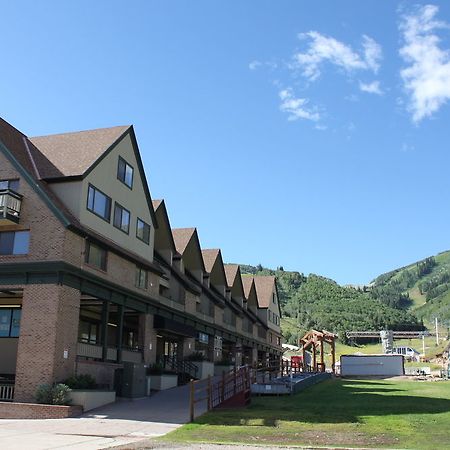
x,y
91,399
165,381
9,410
219,369
205,368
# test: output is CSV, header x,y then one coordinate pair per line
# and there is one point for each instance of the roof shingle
x,y
264,289
72,154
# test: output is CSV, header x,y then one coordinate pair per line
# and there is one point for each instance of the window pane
x,y
96,256
143,231
5,322
3,185
121,170
125,172
15,324
125,220
99,203
14,185
21,242
129,175
7,243
117,216
91,193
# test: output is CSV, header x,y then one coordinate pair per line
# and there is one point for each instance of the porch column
x,y
121,313
104,329
47,345
147,338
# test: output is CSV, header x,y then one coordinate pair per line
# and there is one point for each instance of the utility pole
x,y
437,331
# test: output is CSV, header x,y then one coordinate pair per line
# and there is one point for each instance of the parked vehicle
x,y
409,353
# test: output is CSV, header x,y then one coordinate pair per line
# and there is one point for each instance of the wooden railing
x,y
6,392
230,385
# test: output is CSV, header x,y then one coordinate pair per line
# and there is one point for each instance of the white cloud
x,y
327,49
371,88
254,65
427,77
297,108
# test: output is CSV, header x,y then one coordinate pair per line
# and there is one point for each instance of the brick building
x,y
92,275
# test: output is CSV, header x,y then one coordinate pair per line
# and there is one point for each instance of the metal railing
x,y
179,366
10,203
6,392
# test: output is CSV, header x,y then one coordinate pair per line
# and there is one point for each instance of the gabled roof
x,y
160,209
69,156
73,154
212,259
183,237
231,272
209,258
247,282
29,162
265,286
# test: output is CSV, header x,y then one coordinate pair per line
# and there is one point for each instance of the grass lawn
x,y
347,413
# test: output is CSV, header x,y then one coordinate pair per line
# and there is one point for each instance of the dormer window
x,y
125,173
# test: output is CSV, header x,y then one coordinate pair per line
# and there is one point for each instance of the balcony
x,y
10,204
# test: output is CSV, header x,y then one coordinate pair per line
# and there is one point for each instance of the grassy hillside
x,y
318,302
423,286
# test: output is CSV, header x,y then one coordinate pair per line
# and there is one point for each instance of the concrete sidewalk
x,y
124,422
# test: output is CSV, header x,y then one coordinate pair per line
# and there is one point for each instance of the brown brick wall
x,y
49,326
46,231
36,411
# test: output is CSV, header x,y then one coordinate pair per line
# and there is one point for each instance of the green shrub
x,y
44,394
52,395
82,381
60,394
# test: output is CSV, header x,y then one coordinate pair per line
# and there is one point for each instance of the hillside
x,y
423,286
318,302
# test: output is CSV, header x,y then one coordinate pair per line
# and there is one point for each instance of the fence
x,y
231,384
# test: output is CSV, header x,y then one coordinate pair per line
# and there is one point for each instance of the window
x,y
143,231
10,322
125,173
9,184
141,278
88,332
14,242
96,256
99,203
121,218
274,298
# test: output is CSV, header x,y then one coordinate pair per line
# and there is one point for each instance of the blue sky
x,y
308,134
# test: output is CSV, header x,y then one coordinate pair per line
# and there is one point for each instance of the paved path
x,y
124,422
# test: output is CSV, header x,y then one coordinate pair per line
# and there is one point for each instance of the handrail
x,y
231,384
173,363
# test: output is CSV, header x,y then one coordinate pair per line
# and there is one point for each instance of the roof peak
x,y
93,130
